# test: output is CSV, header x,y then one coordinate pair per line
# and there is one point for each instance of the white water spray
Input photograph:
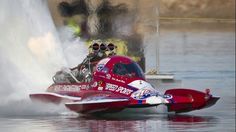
x,y
30,53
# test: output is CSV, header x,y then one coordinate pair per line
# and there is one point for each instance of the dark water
x,y
199,60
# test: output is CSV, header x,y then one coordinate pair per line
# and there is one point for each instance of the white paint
x,y
97,101
59,95
141,84
155,100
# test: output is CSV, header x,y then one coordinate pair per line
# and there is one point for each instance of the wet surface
x,y
199,59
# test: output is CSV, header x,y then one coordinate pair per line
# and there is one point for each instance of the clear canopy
x,y
131,70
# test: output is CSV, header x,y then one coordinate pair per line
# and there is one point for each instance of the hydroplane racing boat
x,y
113,83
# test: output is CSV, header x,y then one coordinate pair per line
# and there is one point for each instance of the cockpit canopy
x,y
120,66
130,70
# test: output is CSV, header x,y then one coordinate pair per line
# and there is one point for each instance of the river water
x,y
199,60
199,55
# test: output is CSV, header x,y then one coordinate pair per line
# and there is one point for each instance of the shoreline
x,y
196,20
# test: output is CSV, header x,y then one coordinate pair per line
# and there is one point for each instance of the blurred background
x,y
192,39
136,25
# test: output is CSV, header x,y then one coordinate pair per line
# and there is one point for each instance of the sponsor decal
x,y
108,76
124,90
105,69
119,89
118,80
95,84
100,88
167,96
142,94
100,83
70,88
100,67
111,87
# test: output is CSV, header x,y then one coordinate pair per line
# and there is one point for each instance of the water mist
x,y
30,54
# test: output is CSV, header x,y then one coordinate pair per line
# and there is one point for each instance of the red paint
x,y
107,84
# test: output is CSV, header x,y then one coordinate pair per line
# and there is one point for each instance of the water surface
x,y
199,60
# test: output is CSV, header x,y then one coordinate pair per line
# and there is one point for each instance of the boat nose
x,y
211,101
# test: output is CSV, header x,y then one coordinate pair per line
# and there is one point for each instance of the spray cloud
x,y
30,54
